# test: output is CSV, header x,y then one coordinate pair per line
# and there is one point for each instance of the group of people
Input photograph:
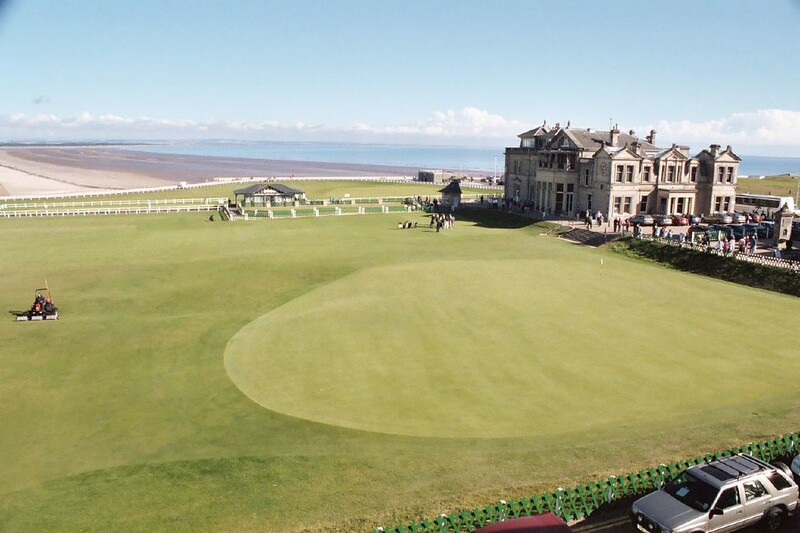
x,y
590,219
442,221
746,245
406,225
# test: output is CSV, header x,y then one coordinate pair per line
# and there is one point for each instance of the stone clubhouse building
x,y
565,171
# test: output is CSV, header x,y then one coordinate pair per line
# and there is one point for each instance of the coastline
x,y
74,169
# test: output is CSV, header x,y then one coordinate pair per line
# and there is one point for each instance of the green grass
x,y
396,374
785,185
314,189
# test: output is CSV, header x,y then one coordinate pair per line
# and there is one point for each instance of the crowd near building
x,y
569,171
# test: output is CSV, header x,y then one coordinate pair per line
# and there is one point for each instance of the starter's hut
x,y
451,195
267,194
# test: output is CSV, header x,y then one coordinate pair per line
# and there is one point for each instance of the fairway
x,y
339,373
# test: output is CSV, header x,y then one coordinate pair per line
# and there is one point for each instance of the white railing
x,y
113,203
129,210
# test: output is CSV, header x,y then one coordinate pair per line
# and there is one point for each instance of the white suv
x,y
724,495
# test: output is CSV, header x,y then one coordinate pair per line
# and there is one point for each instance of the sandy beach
x,y
33,171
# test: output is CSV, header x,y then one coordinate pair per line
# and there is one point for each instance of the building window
x,y
628,203
671,173
717,204
693,174
643,205
646,173
620,169
586,177
730,175
721,175
629,173
617,204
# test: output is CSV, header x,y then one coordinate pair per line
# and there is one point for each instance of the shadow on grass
x,y
493,218
714,266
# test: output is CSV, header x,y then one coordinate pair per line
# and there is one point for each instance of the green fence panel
x,y
575,504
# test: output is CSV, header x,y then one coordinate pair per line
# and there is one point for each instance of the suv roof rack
x,y
733,467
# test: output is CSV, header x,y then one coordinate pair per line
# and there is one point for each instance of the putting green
x,y
490,349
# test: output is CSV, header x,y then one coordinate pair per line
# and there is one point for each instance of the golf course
x,y
338,373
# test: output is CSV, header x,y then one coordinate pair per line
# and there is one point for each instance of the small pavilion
x,y
451,195
266,194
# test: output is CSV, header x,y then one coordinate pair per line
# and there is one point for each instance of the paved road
x,y
618,522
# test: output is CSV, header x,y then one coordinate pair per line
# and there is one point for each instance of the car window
x,y
778,480
753,489
692,491
728,498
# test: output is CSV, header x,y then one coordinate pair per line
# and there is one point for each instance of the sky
x,y
425,72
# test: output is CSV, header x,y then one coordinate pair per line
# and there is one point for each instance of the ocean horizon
x,y
456,158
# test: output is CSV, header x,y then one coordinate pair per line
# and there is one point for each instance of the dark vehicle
x,y
766,228
738,231
725,230
695,229
751,229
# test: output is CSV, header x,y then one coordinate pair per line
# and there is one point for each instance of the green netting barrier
x,y
580,502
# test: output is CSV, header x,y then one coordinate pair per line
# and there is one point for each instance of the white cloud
x,y
763,128
775,131
467,122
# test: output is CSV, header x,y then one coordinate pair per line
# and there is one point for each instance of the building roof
x,y
452,188
587,139
260,188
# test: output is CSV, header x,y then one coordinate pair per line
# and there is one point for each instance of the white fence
x,y
129,210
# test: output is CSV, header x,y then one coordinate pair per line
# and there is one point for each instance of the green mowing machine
x,y
43,307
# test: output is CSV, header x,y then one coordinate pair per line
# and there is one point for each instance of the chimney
x,y
614,135
631,133
635,145
652,137
728,149
568,124
714,150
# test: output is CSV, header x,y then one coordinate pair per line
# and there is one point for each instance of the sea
x,y
487,160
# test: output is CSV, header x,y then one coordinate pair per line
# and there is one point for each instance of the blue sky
x,y
420,72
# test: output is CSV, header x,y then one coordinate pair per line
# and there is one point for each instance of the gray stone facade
x,y
572,170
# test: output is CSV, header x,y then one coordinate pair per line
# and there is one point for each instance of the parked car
x,y
738,218
727,231
729,494
719,218
796,469
680,220
751,229
694,219
694,228
766,229
642,220
544,523
738,231
662,220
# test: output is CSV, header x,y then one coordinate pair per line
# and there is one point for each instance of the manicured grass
x,y
314,189
785,185
456,368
